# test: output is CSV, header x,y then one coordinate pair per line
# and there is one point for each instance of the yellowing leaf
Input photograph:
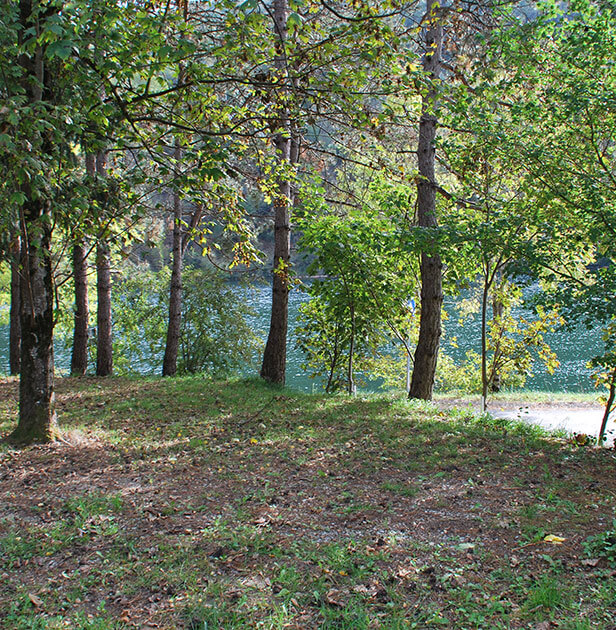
x,y
254,441
555,540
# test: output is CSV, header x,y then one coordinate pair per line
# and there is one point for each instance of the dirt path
x,y
574,417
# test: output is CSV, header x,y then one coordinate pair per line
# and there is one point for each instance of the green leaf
x,y
61,49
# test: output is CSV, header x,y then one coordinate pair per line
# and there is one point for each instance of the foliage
x,y
515,341
464,376
215,337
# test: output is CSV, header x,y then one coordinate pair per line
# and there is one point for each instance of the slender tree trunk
x,y
79,357
351,369
484,342
426,353
175,292
14,317
104,352
273,368
37,417
104,348
608,407
498,309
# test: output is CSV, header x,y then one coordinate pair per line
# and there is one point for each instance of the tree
x,y
53,98
426,354
273,367
358,306
37,415
104,347
556,77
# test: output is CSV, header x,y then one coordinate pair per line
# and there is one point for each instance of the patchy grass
x,y
190,503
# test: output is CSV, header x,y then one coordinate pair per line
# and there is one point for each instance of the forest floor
x,y
189,503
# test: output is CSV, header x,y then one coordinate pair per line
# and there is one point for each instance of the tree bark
x,y
175,292
14,317
37,417
104,348
426,353
273,368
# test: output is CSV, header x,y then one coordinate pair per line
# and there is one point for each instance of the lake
x,y
573,348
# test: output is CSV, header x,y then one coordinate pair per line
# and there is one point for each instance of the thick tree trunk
x,y
273,368
14,317
426,353
37,417
104,348
175,292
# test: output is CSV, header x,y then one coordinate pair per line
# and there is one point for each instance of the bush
x,y
214,336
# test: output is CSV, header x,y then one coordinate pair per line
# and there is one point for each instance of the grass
x,y
191,503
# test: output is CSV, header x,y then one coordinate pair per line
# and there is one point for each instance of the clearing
x,y
196,504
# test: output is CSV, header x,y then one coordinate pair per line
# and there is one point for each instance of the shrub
x,y
214,336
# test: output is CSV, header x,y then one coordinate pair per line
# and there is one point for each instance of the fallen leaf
x,y
334,597
591,562
37,601
555,540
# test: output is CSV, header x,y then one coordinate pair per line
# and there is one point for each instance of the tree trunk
x,y
484,341
426,353
273,368
498,310
104,348
608,408
14,321
175,292
350,369
79,357
104,352
37,417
